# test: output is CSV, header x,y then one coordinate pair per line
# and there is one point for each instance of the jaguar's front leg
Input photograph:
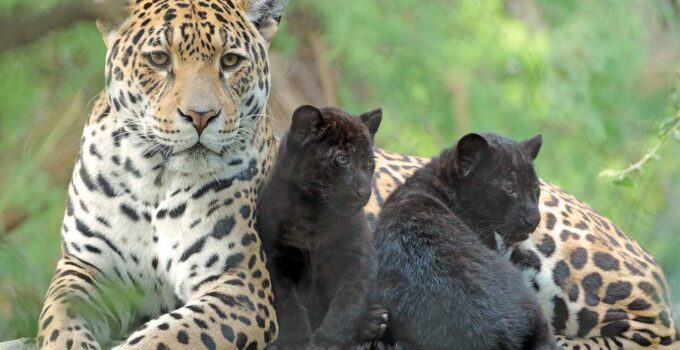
x,y
70,318
229,312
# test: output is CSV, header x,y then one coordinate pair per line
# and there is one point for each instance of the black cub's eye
x,y
230,60
537,189
371,162
159,59
342,160
509,188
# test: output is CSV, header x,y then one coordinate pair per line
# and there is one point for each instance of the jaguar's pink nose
x,y
199,119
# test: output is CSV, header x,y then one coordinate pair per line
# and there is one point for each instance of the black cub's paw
x,y
288,344
284,347
323,344
377,345
375,324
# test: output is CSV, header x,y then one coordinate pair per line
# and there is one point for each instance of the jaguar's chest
x,y
149,231
161,251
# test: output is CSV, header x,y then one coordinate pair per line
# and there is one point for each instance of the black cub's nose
x,y
362,192
532,220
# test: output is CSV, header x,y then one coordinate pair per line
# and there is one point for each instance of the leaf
x,y
609,173
624,181
667,124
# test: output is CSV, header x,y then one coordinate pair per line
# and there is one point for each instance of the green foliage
x,y
579,72
582,74
36,80
669,129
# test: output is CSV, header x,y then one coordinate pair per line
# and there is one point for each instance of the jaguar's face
x,y
190,78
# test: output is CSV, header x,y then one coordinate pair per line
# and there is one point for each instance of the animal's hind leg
x,y
609,343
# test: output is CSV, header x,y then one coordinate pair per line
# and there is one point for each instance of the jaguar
x,y
159,249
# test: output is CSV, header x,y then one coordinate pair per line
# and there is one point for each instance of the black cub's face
x,y
498,185
332,154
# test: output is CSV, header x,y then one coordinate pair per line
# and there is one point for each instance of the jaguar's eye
x,y
342,160
159,59
230,60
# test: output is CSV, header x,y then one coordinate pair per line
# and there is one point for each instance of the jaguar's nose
x,y
199,119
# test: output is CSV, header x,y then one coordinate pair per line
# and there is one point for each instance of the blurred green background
x,y
596,78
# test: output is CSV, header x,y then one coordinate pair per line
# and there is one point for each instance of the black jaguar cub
x,y
314,231
439,275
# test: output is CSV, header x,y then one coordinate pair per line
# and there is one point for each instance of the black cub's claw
x,y
377,345
375,326
373,332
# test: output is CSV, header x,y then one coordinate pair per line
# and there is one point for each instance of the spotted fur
x,y
158,241
598,286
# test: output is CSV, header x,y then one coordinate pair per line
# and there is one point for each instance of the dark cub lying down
x,y
314,231
444,285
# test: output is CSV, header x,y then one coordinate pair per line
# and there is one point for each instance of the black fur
x,y
445,288
314,231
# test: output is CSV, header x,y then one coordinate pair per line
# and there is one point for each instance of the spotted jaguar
x,y
598,287
159,249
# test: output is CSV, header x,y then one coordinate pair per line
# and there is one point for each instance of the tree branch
x,y
10,219
670,128
22,28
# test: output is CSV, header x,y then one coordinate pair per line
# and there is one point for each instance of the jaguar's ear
x,y
307,123
532,146
110,15
470,150
372,120
266,15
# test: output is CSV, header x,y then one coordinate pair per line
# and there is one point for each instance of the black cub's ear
x,y
532,146
372,120
307,120
470,150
